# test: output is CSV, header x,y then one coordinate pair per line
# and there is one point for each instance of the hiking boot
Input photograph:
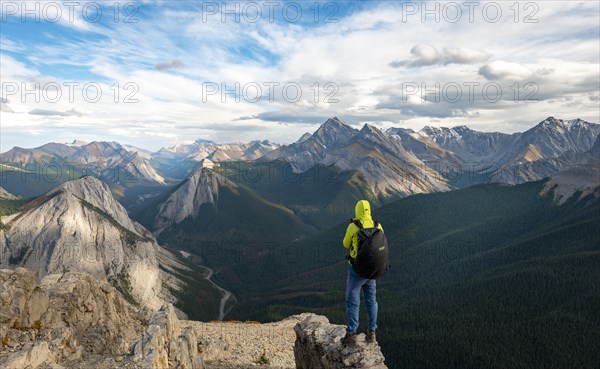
x,y
349,339
371,338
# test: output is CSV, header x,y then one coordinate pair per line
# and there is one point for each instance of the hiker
x,y
368,261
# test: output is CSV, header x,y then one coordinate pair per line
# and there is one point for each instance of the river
x,y
226,294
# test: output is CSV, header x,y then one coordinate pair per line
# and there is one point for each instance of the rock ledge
x,y
318,345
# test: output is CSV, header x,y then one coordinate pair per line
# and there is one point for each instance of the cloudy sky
x,y
157,73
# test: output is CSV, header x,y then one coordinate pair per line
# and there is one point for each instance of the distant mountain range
x,y
395,162
169,187
537,153
110,160
387,166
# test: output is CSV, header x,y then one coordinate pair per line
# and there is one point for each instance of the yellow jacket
x,y
362,212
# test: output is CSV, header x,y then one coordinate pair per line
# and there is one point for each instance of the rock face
x,y
318,345
582,178
74,319
388,167
165,345
201,187
62,318
79,226
540,152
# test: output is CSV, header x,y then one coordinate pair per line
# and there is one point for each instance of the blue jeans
x,y
353,286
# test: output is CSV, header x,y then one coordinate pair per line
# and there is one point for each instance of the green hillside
x,y
490,276
269,207
240,221
36,178
319,196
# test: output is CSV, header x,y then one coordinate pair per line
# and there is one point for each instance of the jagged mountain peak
x,y
399,130
549,123
554,123
200,187
334,132
103,144
550,120
430,130
261,143
439,134
334,124
369,128
562,134
373,133
335,121
462,129
97,193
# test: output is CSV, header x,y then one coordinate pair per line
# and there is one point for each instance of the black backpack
x,y
372,258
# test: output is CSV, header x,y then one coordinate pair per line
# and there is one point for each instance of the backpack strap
x,y
357,223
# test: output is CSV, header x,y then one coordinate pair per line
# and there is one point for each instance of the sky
x,y
159,73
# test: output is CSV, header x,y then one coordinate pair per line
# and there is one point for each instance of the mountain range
x,y
394,163
539,152
267,219
183,189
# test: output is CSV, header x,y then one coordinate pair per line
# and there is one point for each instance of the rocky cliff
x,y
318,345
73,320
78,321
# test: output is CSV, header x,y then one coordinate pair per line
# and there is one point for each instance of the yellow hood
x,y
362,211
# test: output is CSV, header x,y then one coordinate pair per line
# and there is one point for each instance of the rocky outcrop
x,y
165,345
318,345
76,320
62,318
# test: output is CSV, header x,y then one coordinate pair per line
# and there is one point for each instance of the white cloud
x,y
503,70
465,55
354,54
426,55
